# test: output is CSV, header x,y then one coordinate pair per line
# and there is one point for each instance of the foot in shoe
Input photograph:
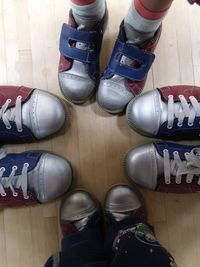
x,y
171,112
165,167
122,202
126,74
79,211
28,114
80,48
32,177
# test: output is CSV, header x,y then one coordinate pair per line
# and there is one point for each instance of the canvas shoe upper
x,y
165,167
32,177
28,114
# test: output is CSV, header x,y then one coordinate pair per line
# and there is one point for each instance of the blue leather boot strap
x,y
144,58
91,39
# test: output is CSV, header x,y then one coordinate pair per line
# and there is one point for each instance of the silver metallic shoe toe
x,y
120,199
143,113
76,85
44,114
143,166
54,177
77,205
113,96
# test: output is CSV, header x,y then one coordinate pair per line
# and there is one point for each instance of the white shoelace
x,y
13,182
12,114
177,167
186,110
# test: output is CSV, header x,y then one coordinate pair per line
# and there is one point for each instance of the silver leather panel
x,y
77,205
43,113
147,112
144,113
121,199
144,165
76,84
51,178
113,94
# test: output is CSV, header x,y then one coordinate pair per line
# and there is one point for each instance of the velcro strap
x,y
91,39
139,73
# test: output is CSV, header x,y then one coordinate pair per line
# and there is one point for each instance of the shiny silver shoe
x,y
122,202
165,167
79,61
79,211
171,112
28,114
32,177
125,76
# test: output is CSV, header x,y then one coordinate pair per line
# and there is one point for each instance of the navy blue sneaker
x,y
32,177
165,167
28,114
79,62
171,112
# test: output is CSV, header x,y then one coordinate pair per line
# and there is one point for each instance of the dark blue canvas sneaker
x,y
171,112
32,177
165,167
28,114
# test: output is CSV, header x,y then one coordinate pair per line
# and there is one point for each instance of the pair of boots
x,y
129,239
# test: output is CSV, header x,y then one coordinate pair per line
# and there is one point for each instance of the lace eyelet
x,y
180,96
168,182
169,127
19,97
170,96
8,127
179,124
26,164
15,168
26,197
187,154
178,182
190,124
9,100
3,195
188,181
20,130
15,194
165,151
175,153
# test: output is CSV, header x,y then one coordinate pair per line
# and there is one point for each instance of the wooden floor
x,y
95,142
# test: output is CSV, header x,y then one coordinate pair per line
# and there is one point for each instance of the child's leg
x,y
144,18
88,12
130,239
138,246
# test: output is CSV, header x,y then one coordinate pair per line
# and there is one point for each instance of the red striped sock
x,y
149,14
82,2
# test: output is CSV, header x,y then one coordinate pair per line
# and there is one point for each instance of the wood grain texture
x,y
95,142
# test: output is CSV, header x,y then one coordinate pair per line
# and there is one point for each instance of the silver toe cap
x,y
77,205
51,178
44,114
113,96
75,88
143,113
121,198
141,166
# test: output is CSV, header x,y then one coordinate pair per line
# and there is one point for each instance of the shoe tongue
x,y
80,45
